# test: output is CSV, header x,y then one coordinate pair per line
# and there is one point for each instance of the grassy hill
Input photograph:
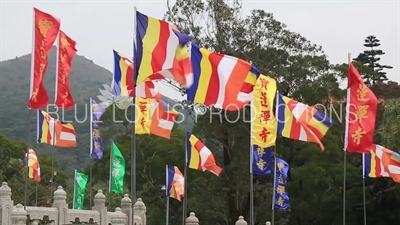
x,y
85,81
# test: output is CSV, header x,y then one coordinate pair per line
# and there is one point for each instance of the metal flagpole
x,y
111,178
185,173
344,149
365,206
90,185
166,195
273,189
73,200
133,118
27,161
36,196
251,166
52,179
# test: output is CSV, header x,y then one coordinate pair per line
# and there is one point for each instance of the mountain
x,y
86,79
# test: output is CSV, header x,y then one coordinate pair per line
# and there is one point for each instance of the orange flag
x,y
46,29
66,51
361,110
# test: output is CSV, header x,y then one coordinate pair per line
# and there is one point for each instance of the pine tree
x,y
371,59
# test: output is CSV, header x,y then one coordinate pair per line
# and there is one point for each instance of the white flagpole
x,y
57,69
346,130
73,202
251,165
274,182
365,206
91,127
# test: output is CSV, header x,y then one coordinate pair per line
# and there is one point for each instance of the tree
x,y
371,58
13,170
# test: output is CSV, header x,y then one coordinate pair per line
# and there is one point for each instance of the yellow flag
x,y
143,115
264,120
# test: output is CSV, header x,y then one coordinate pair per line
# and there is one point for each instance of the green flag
x,y
81,180
117,170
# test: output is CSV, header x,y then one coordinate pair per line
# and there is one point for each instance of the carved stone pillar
x,y
18,215
192,219
118,218
241,221
126,207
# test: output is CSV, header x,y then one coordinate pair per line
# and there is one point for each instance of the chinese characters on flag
x,y
262,160
66,51
143,108
264,121
361,114
46,28
281,195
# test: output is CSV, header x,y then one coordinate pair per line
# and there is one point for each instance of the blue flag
x,y
261,160
281,196
96,145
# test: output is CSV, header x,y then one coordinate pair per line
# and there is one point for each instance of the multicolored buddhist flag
x,y
161,52
221,80
66,51
301,122
361,109
381,162
122,83
163,123
199,157
45,28
54,132
32,162
175,183
263,119
281,200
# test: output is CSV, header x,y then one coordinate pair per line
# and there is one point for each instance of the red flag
x,y
46,29
66,51
361,110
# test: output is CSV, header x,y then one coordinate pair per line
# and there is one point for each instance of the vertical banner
x,y
143,108
96,147
117,170
281,196
45,31
66,51
261,160
361,109
80,187
264,121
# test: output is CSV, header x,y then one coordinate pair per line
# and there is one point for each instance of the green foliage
x,y
13,171
371,59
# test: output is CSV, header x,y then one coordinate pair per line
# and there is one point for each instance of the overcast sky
x,y
101,26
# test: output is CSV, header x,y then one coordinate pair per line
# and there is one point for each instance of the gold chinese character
x,y
280,166
264,134
260,151
361,112
358,135
263,99
63,78
44,26
41,70
34,95
362,93
65,96
64,42
143,107
261,164
96,144
96,133
95,107
43,53
280,179
63,57
264,83
265,115
280,189
280,201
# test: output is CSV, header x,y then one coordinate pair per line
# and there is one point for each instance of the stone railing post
x,y
118,217
100,206
192,219
126,207
18,215
241,221
60,202
140,210
6,204
268,223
